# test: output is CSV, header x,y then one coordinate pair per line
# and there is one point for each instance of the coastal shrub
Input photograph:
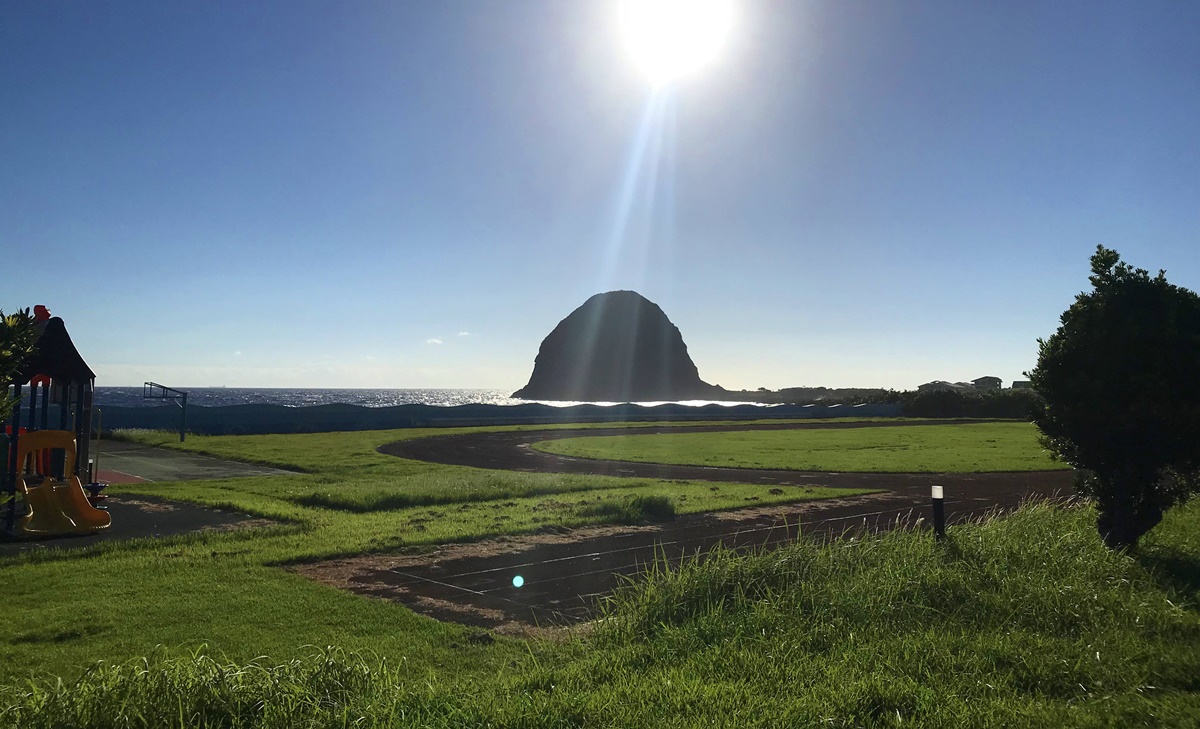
x,y
144,436
1017,404
18,340
1122,395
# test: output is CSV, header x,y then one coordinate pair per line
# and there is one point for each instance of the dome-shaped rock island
x,y
618,347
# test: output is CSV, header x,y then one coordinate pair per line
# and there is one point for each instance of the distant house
x,y
987,383
1022,385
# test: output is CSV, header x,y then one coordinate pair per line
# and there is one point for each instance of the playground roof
x,y
55,355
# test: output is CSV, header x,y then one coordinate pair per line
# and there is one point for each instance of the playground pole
x,y
99,429
11,464
83,436
45,403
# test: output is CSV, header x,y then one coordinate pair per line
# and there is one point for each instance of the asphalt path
x,y
120,461
137,516
561,580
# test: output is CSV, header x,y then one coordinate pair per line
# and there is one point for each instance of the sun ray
x,y
633,192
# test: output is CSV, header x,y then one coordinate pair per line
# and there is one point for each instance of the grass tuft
x,y
633,510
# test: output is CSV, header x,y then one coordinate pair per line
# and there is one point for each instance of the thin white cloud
x,y
435,340
237,353
464,334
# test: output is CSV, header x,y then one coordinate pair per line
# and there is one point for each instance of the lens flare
x,y
518,581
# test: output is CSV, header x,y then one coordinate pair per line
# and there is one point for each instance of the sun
x,y
672,38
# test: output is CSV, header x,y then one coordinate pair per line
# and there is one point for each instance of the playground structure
x,y
49,440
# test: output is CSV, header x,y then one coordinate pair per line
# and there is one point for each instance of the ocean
x,y
304,397
249,410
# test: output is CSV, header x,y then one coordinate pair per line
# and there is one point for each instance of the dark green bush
x,y
1020,404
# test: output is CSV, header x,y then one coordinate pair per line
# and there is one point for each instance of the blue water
x,y
303,397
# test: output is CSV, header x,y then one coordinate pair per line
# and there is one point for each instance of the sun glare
x,y
671,38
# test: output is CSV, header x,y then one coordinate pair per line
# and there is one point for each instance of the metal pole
x,y
64,406
10,518
83,428
45,403
939,512
33,402
99,429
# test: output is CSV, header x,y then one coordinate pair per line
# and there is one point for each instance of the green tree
x,y
18,335
1121,384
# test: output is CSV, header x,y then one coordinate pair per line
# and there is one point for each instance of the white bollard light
x,y
939,512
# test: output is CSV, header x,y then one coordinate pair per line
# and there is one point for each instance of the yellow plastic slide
x,y
45,516
55,509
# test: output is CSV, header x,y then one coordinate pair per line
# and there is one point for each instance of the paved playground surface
x,y
136,516
121,462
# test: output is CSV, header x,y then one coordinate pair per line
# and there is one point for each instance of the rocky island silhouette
x,y
617,347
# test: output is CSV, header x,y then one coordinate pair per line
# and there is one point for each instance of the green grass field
x,y
1023,621
961,448
69,608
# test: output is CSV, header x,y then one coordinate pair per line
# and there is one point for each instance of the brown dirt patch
x,y
565,575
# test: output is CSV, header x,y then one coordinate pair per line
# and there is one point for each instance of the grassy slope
x,y
68,609
961,448
1026,621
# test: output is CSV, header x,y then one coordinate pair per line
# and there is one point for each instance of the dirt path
x,y
562,575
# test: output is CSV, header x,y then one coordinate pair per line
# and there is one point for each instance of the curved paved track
x,y
513,451
562,579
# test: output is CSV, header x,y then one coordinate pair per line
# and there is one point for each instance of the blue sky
x,y
387,194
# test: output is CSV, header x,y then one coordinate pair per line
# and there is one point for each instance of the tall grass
x,y
328,687
1023,621
1020,617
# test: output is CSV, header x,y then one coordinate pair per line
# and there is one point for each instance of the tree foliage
x,y
18,336
1121,384
970,404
